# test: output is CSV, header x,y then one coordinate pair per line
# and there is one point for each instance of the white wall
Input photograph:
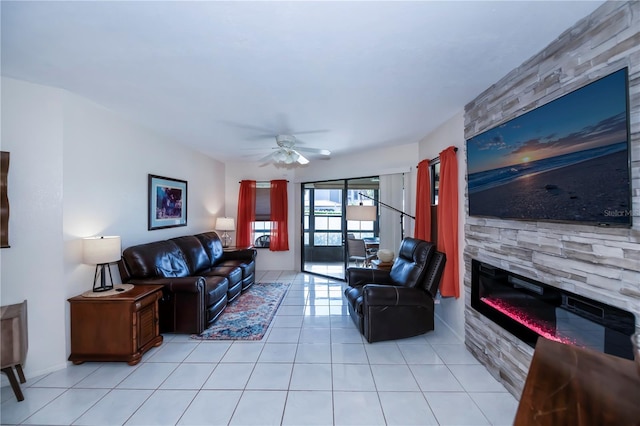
x,y
396,159
451,132
32,269
79,170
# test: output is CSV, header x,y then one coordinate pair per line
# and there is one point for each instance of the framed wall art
x,y
167,202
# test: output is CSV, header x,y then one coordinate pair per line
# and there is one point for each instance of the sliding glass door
x,y
325,225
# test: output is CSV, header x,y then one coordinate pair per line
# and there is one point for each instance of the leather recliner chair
x,y
399,303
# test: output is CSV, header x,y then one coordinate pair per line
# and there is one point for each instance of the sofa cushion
x,y
212,245
194,252
157,259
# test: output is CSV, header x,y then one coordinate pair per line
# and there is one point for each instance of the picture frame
x,y
167,202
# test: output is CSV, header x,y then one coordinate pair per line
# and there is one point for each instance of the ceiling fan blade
x,y
314,150
308,132
270,132
301,158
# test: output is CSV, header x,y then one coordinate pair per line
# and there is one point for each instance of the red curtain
x,y
423,203
448,222
279,216
246,212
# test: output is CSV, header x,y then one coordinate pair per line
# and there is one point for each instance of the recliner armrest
x,y
390,295
176,284
361,276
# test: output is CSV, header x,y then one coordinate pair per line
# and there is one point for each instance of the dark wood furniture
x,y
379,264
567,384
121,327
15,342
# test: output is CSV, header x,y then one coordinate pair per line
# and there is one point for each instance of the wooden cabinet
x,y
120,327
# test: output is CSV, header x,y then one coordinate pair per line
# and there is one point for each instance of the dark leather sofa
x,y
399,303
199,277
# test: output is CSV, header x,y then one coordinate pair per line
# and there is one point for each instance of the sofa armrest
x,y
361,276
390,295
241,254
176,284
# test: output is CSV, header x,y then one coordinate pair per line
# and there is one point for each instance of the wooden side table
x,y
378,264
118,327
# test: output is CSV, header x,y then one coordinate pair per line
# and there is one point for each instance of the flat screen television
x,y
565,161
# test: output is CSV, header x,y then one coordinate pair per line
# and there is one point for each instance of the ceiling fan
x,y
288,153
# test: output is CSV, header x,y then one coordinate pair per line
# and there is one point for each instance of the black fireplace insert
x,y
529,308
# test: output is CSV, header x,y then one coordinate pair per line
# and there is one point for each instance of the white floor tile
x,y
385,353
316,353
278,352
352,377
406,408
67,407
475,378
500,407
243,352
261,408
311,377
308,408
394,378
284,335
455,354
435,378
348,353
357,408
315,335
202,413
316,321
270,377
107,376
419,353
69,376
208,351
164,407
148,375
13,412
455,408
294,321
345,335
115,408
173,352
188,376
229,376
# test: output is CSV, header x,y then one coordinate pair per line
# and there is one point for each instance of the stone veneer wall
x,y
600,263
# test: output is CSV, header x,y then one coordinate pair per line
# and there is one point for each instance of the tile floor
x,y
312,368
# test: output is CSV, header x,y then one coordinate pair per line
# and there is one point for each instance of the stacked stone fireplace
x,y
596,263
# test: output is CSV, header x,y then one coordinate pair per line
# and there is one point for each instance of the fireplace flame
x,y
541,327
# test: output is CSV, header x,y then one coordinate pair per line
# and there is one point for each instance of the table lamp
x,y
225,224
101,251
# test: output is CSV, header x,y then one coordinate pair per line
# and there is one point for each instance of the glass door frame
x,y
345,183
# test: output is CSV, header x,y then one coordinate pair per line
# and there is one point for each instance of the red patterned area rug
x,y
248,317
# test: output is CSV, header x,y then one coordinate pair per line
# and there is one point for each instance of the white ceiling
x,y
222,76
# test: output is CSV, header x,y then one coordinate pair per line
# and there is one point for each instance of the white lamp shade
x,y
362,213
225,224
99,250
